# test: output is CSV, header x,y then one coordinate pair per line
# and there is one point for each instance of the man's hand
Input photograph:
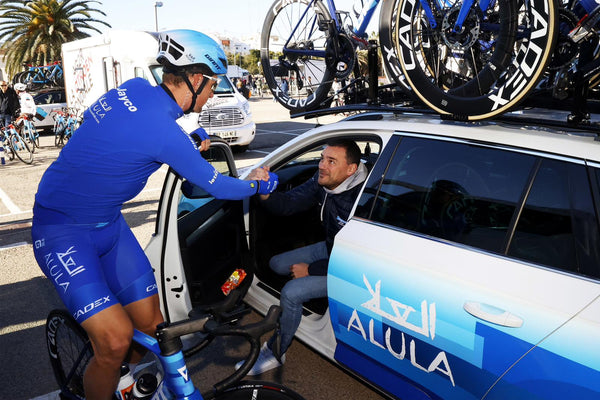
x,y
201,138
299,270
258,174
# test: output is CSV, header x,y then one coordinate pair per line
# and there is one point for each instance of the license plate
x,y
227,134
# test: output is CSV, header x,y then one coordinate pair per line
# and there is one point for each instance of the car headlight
x,y
246,108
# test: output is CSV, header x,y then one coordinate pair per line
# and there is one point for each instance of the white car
x,y
470,267
226,115
49,101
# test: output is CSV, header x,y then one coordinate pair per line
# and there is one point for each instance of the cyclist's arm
x,y
181,153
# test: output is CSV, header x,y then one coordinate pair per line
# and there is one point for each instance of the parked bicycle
x,y
66,122
473,60
36,77
70,351
18,146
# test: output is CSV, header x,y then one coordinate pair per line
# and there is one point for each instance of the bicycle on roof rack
x,y
465,58
36,77
70,351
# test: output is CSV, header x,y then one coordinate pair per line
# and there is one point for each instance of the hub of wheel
x,y
468,34
340,64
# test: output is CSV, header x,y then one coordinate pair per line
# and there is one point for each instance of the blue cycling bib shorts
x,y
81,241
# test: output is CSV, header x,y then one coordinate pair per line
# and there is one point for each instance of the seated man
x,y
333,189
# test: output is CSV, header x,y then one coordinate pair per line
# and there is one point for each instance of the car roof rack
x,y
539,118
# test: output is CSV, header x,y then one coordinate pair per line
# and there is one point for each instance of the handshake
x,y
265,180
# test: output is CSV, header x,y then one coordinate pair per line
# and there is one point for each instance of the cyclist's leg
x,y
69,256
131,278
110,332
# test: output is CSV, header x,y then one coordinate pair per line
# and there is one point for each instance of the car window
x,y
558,225
454,191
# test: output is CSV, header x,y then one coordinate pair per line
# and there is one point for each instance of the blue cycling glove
x,y
267,187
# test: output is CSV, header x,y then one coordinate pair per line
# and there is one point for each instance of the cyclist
x,y
25,101
81,240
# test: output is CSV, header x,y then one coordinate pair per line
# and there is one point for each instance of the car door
x,y
199,240
453,281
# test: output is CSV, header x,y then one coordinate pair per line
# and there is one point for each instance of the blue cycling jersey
x,y
126,136
81,241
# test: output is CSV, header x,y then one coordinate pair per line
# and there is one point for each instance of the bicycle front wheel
x,y
70,352
481,70
258,390
21,148
294,42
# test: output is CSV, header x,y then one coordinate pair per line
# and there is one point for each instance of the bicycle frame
x,y
366,15
177,378
168,348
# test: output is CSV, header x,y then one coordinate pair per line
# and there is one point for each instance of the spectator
x,y
9,103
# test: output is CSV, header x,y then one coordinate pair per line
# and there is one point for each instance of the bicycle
x,y
66,123
30,133
572,77
39,76
17,144
70,350
472,60
5,143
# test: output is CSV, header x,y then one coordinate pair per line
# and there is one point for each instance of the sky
x,y
228,17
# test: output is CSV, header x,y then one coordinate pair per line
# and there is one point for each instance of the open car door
x,y
199,240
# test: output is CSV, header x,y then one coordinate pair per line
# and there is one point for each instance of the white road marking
x,y
12,207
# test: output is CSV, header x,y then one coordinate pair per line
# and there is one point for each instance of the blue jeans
x,y
5,119
297,291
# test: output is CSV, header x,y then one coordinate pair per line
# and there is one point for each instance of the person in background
x,y
334,189
82,243
9,103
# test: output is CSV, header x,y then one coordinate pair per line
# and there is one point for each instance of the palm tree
x,y
33,32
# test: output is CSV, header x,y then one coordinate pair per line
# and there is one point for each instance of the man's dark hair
x,y
352,151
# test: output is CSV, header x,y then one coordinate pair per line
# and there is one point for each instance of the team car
x,y
469,268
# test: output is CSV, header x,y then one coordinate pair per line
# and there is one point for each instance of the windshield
x,y
225,86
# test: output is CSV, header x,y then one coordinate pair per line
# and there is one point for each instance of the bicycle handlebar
x,y
169,339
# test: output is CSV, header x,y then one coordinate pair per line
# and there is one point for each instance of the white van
x,y
94,65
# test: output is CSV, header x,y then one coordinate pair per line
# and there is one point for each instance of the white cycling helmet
x,y
20,87
183,49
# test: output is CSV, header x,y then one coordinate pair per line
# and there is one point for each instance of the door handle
x,y
493,314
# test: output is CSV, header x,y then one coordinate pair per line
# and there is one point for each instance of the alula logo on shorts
x,y
65,269
123,97
92,306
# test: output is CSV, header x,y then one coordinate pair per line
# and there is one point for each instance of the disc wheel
x,y
476,72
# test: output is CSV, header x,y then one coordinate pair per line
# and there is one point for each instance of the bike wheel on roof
x,y
472,70
294,45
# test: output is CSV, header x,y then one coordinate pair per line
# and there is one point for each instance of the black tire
x,y
70,351
258,390
59,134
279,24
505,54
21,148
20,77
